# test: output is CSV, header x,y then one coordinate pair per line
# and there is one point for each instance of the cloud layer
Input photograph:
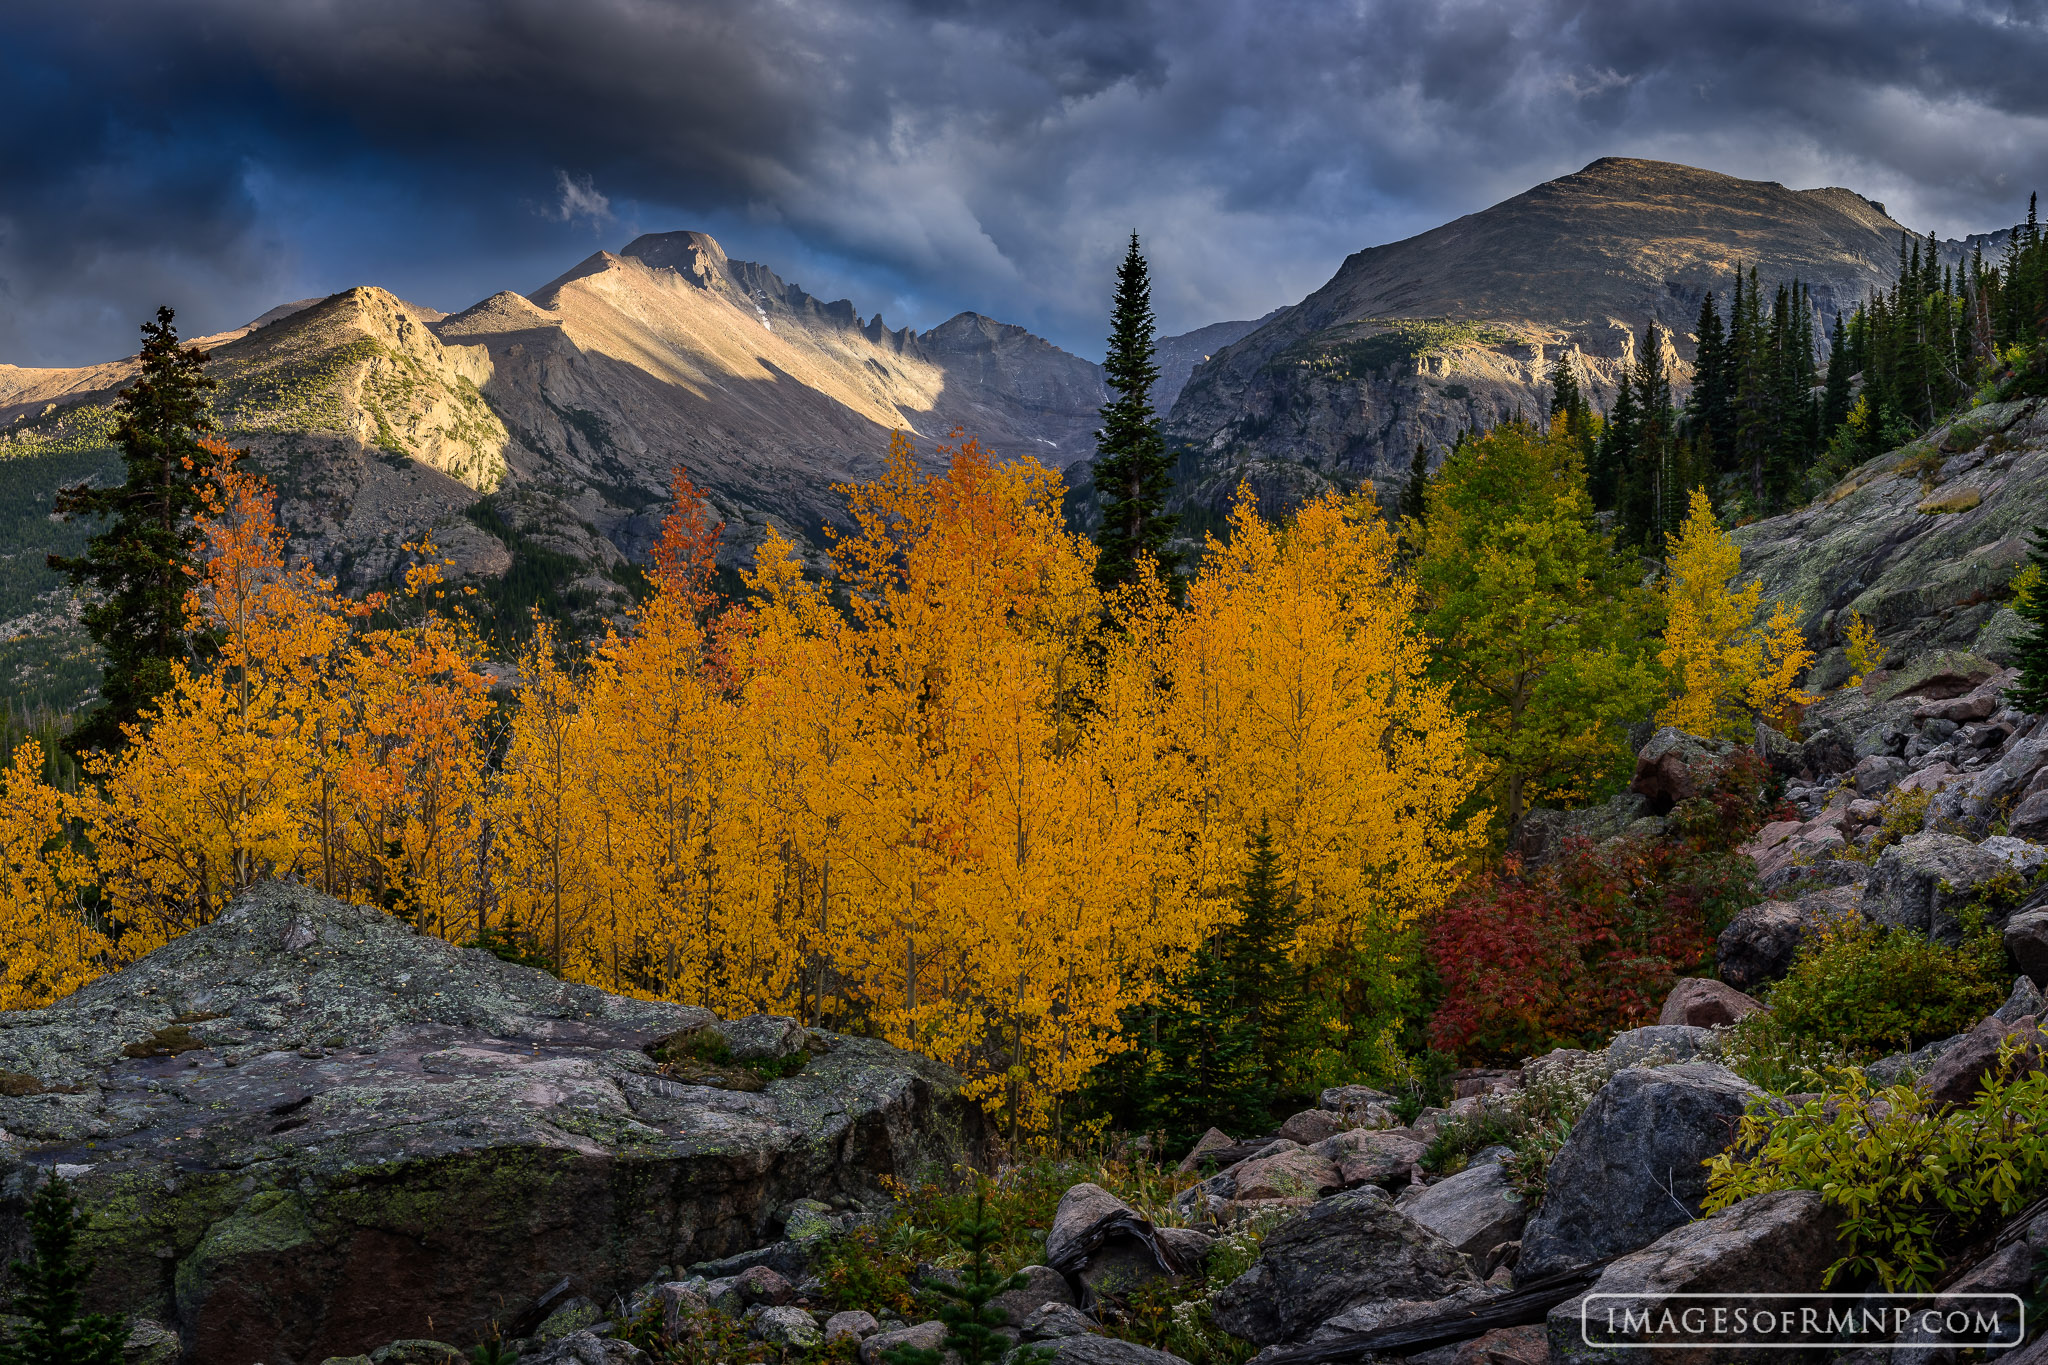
x,y
925,156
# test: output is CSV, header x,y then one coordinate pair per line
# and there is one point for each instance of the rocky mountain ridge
x,y
1417,340
562,413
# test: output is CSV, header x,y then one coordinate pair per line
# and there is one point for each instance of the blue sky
x,y
923,156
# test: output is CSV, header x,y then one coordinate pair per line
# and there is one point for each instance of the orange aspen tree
x,y
48,947
214,798
1296,700
309,748
409,704
975,853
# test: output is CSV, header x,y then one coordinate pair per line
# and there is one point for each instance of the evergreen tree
x,y
141,565
52,1282
1834,408
1131,469
1709,411
1230,1028
1615,455
1642,467
1414,496
1269,988
2031,692
1568,402
974,1320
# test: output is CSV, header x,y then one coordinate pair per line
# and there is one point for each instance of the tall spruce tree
x,y
140,567
1415,493
51,1285
1230,1028
1131,468
1709,410
1616,453
1834,408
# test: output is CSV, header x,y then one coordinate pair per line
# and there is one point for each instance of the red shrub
x,y
1563,955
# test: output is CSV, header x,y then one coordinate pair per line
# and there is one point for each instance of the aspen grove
x,y
955,796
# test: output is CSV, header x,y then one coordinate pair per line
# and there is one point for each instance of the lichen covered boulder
x,y
1350,1249
304,1131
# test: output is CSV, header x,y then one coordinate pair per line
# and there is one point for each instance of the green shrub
x,y
1870,991
1532,1121
1770,1056
1912,1184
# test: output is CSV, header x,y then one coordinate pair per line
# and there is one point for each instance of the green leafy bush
x,y
1870,991
1770,1056
1912,1183
1533,1121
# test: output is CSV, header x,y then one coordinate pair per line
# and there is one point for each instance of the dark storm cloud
x,y
923,156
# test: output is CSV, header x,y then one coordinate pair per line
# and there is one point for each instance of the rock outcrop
x,y
1779,1242
303,1131
1631,1169
1350,1249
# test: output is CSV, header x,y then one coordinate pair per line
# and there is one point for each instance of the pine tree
x,y
1414,495
1206,1071
1709,410
1834,408
1269,988
52,1282
2031,691
1641,468
1616,453
141,565
1131,468
974,1321
1568,402
1230,1027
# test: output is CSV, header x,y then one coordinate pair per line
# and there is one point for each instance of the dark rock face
x,y
1631,1169
1919,881
380,1129
2026,940
1100,1243
1349,1249
1782,1242
1337,390
1673,767
1960,1070
1759,943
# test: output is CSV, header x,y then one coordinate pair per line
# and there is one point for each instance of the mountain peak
x,y
691,253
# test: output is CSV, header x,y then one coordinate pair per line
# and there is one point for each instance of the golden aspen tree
x,y
1297,701
1728,662
541,808
973,904
408,703
1860,644
658,730
213,800
48,946
310,748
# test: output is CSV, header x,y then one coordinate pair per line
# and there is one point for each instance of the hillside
x,y
1419,339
